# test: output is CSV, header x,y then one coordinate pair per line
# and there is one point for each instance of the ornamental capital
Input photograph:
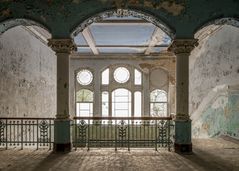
x,y
62,45
183,45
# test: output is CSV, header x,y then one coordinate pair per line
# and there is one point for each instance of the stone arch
x,y
123,13
216,22
8,24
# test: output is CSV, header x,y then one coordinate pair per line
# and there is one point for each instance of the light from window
x,y
84,77
158,103
121,75
137,104
105,104
105,77
84,95
84,103
137,77
121,103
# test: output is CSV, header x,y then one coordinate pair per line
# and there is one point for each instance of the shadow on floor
x,y
208,161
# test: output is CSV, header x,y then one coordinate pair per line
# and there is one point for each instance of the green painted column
x,y
182,49
62,136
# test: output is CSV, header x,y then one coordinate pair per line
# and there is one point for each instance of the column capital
x,y
183,45
62,45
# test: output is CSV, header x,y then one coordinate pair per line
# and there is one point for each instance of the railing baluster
x,y
88,137
21,134
128,135
37,134
49,134
14,133
6,134
168,125
156,128
75,125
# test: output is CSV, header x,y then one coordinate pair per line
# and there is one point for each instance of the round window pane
x,y
121,75
84,77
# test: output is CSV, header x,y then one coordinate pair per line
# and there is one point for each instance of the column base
x,y
62,138
183,148
62,147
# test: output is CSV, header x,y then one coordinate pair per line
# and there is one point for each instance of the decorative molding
x,y
183,45
124,13
219,22
62,45
8,24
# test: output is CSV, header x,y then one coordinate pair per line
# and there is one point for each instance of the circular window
x,y
84,77
121,75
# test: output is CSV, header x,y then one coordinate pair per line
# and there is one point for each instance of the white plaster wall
x,y
214,62
27,75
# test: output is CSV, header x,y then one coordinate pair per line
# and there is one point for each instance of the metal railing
x,y
122,132
26,132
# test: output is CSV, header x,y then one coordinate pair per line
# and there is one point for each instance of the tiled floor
x,y
209,154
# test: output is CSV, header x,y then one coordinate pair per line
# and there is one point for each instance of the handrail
x,y
25,118
98,118
123,118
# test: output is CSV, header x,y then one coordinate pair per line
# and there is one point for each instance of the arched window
x,y
117,83
84,103
158,103
121,103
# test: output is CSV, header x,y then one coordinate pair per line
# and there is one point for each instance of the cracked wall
x,y
27,75
214,67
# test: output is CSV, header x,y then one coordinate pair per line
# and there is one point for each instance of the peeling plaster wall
x,y
214,66
27,76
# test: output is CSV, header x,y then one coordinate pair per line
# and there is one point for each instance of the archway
x,y
214,79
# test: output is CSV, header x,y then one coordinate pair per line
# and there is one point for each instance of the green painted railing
x,y
122,132
26,132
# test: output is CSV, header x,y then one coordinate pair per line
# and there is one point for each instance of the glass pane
x,y
105,77
84,95
158,96
84,77
84,109
137,77
121,75
137,104
121,103
158,109
105,103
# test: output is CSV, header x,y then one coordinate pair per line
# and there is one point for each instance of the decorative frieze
x,y
183,45
62,45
